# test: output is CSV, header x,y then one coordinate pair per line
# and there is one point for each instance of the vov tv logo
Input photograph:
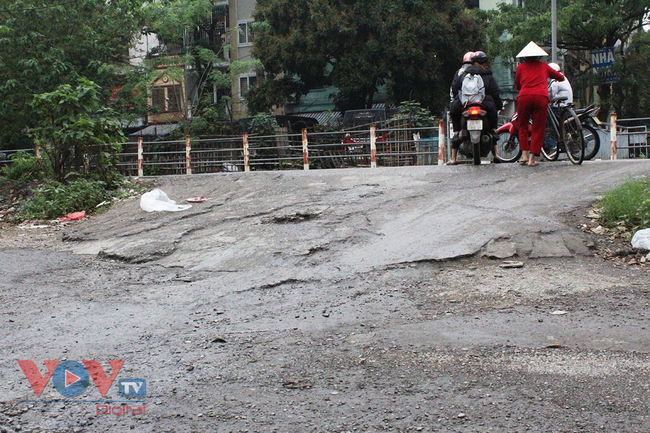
x,y
71,378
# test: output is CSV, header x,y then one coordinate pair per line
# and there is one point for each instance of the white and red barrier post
x,y
188,152
373,146
442,148
305,150
247,166
612,137
140,159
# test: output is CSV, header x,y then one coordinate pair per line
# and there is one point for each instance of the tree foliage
x,y
631,97
76,131
581,24
417,116
413,47
172,19
46,44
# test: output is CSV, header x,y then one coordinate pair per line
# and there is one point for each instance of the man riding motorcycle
x,y
492,102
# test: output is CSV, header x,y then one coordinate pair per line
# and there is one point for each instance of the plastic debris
x,y
158,201
559,313
641,239
227,166
599,230
196,199
73,216
34,226
510,264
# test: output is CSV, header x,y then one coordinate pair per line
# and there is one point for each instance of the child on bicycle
x,y
555,89
560,88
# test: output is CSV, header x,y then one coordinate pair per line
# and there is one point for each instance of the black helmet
x,y
479,57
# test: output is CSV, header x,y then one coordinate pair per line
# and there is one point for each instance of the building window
x,y
245,35
173,98
245,83
166,99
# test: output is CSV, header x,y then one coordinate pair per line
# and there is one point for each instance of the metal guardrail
x,y
353,148
369,147
631,138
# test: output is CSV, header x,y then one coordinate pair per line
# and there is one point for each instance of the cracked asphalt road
x,y
333,301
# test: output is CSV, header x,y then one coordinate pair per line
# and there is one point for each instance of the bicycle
x,y
562,133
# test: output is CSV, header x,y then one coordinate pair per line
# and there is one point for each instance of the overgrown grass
x,y
54,199
627,205
41,197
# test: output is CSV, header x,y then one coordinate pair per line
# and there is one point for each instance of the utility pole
x,y
554,31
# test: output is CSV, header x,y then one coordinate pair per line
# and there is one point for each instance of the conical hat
x,y
532,50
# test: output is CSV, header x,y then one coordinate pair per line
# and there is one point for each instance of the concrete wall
x,y
241,11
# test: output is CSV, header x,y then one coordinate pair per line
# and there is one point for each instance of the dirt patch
x,y
612,244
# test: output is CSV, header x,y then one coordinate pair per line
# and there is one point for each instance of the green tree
x,y
417,116
583,25
412,47
631,97
46,44
76,132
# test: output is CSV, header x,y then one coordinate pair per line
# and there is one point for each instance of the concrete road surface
x,y
334,301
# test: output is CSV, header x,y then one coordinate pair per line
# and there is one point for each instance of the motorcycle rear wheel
x,y
476,153
592,141
508,147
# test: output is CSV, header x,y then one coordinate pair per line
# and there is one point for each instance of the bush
x,y
419,117
55,199
627,205
25,167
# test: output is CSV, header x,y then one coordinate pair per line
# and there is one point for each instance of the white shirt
x,y
561,88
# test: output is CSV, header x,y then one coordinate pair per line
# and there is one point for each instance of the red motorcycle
x,y
508,136
508,140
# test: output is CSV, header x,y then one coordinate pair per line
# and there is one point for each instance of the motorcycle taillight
x,y
474,111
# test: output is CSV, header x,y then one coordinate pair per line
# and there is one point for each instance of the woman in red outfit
x,y
531,81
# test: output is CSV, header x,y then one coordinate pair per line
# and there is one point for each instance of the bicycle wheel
x,y
574,141
592,141
551,140
508,147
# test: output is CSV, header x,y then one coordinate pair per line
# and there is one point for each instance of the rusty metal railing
x,y
316,150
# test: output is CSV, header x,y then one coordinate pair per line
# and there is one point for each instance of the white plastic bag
x,y
157,201
641,239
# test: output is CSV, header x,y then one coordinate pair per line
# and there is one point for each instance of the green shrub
x,y
418,116
25,167
55,199
627,205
